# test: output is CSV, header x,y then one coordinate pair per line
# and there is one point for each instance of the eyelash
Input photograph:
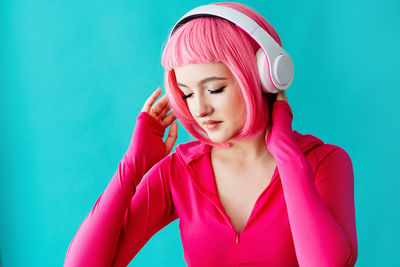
x,y
220,90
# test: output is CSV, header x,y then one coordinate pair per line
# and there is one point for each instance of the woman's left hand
x,y
281,123
281,96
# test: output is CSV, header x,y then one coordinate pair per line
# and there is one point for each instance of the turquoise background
x,y
75,74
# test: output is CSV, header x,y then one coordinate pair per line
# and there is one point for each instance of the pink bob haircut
x,y
211,39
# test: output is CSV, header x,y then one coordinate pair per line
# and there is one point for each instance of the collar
x,y
193,150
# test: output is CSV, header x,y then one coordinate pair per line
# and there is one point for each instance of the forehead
x,y
195,72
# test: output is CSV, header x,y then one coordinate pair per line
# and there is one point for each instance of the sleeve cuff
x,y
153,123
284,105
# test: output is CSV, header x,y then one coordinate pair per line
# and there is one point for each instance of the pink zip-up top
x,y
304,217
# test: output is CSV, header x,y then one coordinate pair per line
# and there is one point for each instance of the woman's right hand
x,y
147,146
159,111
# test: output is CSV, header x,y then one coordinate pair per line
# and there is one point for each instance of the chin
x,y
219,138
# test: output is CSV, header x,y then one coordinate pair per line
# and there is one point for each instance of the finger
x,y
284,95
172,136
279,96
164,111
157,107
168,119
149,102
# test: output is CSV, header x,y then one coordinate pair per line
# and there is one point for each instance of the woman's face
x,y
214,99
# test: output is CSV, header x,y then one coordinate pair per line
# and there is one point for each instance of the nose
x,y
203,108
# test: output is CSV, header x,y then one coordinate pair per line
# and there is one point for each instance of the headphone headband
x,y
278,64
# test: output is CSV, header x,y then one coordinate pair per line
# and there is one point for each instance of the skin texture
x,y
226,106
206,102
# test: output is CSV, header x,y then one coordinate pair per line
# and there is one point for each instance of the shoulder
x,y
330,152
328,161
333,163
317,151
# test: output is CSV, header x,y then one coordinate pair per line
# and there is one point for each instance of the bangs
x,y
191,44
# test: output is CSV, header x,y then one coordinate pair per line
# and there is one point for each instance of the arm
x,y
149,210
321,216
125,204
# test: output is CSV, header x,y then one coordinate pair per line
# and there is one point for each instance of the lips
x,y
211,124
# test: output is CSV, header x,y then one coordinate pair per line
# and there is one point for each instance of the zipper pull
x,y
237,238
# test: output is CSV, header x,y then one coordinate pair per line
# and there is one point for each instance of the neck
x,y
245,151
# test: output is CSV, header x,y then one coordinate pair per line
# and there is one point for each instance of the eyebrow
x,y
206,80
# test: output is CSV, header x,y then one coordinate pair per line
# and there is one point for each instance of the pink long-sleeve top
x,y
304,217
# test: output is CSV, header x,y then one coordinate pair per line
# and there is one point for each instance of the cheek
x,y
190,106
239,104
240,111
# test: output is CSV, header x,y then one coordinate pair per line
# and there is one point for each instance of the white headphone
x,y
275,67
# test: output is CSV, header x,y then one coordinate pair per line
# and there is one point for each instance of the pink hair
x,y
210,39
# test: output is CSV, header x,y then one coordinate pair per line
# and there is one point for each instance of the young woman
x,y
249,191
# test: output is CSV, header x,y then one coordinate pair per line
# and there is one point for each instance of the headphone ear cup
x,y
263,72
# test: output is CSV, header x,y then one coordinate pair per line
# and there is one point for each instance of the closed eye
x,y
186,96
220,90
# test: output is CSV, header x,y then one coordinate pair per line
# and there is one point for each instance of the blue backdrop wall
x,y
75,74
